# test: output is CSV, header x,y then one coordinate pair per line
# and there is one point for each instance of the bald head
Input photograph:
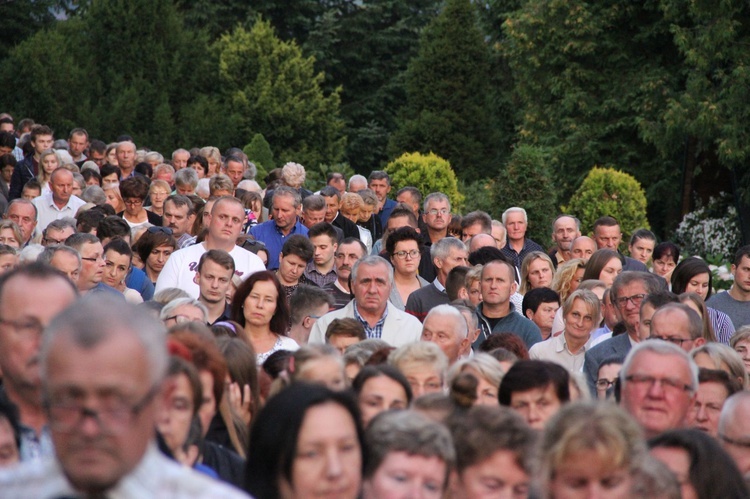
x,y
480,241
583,247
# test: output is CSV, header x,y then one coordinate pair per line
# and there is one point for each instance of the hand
x,y
239,401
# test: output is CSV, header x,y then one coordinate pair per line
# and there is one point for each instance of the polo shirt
x,y
270,235
47,210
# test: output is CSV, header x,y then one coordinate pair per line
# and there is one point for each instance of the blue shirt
x,y
385,213
270,235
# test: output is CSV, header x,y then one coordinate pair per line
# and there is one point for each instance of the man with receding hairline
x,y
60,202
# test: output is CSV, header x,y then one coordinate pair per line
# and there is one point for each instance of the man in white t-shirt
x,y
227,217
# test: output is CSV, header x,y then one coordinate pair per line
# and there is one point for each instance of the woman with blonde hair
x,y
488,372
536,272
350,207
740,342
213,157
49,161
720,357
114,198
568,276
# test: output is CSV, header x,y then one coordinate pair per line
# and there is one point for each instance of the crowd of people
x,y
171,327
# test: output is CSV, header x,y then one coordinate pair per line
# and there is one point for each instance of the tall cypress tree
x,y
447,95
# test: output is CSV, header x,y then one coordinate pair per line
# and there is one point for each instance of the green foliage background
x,y
427,172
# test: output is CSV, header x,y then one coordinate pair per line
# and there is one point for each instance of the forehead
x,y
64,258
126,146
658,364
605,230
372,271
547,391
495,269
283,201
321,239
407,243
565,222
172,206
228,207
631,288
235,165
61,176
712,390
214,268
351,248
437,203
671,321
514,216
398,222
584,242
443,323
117,258
21,209
91,248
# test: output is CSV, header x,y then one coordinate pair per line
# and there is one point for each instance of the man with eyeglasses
x,y
627,293
60,202
21,323
658,386
92,264
436,216
58,231
104,380
678,324
446,254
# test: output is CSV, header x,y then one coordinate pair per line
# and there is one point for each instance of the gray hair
x,y
590,299
360,352
483,363
49,252
409,432
95,319
451,311
203,190
284,190
372,261
316,202
94,194
649,281
179,151
186,176
424,352
731,405
61,224
468,312
249,185
435,196
695,323
515,209
442,248
167,295
153,155
30,253
357,179
169,308
577,222
720,353
664,349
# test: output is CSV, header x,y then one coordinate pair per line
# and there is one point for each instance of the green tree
x,y
22,19
259,152
275,91
427,172
447,88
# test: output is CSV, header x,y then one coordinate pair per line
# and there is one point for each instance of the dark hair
x,y
730,383
9,411
305,299
379,175
686,270
347,327
323,229
145,169
329,192
416,196
403,211
178,200
642,234
509,341
597,262
90,219
535,297
120,247
33,184
280,320
300,246
134,187
488,254
402,234
713,473
658,299
200,160
7,160
108,169
97,145
377,370
455,281
88,174
667,249
7,140
276,363
477,217
605,221
151,240
743,251
219,257
527,375
112,226
274,434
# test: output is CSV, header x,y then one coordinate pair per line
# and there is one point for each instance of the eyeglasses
x,y
635,300
156,229
181,319
93,258
404,254
732,441
49,241
134,202
644,381
671,339
25,327
604,383
434,212
114,417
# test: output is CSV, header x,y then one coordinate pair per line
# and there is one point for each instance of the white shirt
x,y
555,349
155,476
47,211
179,271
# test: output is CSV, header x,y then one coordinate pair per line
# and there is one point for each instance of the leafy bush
x,y
608,192
428,173
525,181
712,231
259,152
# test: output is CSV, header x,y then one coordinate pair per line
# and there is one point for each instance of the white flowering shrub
x,y
712,231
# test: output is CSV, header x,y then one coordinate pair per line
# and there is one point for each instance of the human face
x,y
403,475
455,258
97,157
184,314
678,462
371,288
328,459
284,212
743,348
515,224
486,391
642,249
92,266
629,312
498,476
61,185
50,163
381,188
226,222
29,193
536,406
346,256
540,274
564,232
116,268
22,323
235,170
709,400
577,279
260,305
609,372
407,265
351,213
325,248
8,262
214,281
8,237
158,195
24,216
158,257
579,321
327,371
734,435
475,293
658,406
291,268
110,179
608,237
583,475
42,143
207,409
68,264
332,208
179,160
177,219
95,457
177,413
112,157
664,266
311,217
583,247
673,326
698,284
422,378
407,199
380,394
7,173
444,332
741,275
8,450
126,155
113,200
365,212
438,215
198,169
544,315
610,271
468,232
77,143
497,284
644,322
340,342
213,167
